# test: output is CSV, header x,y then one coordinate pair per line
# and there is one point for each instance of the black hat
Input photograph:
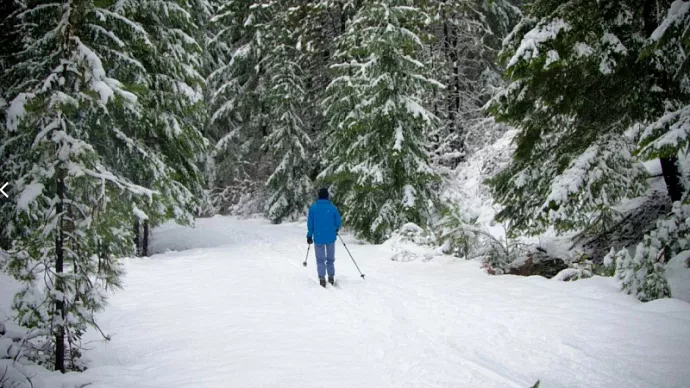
x,y
323,193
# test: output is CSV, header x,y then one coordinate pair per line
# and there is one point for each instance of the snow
x,y
238,306
399,137
105,87
674,128
140,214
653,167
615,43
28,195
678,276
566,274
17,110
606,66
529,47
409,196
249,21
676,13
468,187
572,178
415,109
612,45
551,57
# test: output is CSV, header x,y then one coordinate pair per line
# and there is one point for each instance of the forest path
x,y
234,307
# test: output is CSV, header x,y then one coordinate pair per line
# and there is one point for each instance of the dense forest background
x,y
119,115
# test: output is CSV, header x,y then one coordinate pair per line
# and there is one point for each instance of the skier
x,y
323,224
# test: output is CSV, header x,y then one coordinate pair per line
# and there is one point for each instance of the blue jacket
x,y
323,222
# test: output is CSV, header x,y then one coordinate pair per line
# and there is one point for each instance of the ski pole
x,y
305,259
353,259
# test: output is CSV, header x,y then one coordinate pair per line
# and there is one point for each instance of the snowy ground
x,y
237,309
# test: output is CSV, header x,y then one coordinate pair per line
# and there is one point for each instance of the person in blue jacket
x,y
323,224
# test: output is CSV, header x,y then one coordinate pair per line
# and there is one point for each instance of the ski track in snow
x,y
238,309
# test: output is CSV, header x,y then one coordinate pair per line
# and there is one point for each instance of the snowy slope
x,y
237,309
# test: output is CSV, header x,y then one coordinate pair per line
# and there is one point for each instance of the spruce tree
x,y
238,107
579,90
79,130
289,188
317,25
173,107
377,155
667,49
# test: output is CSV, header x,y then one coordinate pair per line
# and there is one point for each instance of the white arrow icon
x,y
2,190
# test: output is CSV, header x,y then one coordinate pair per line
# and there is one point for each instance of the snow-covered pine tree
x,y
69,214
377,156
289,188
643,275
667,137
10,44
320,23
665,52
668,49
579,89
238,107
215,54
174,111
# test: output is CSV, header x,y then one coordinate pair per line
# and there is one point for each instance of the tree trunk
x,y
145,248
137,242
458,128
669,167
59,262
449,90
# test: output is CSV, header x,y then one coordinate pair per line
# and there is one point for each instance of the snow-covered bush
x,y
580,268
608,267
411,242
643,274
411,232
16,352
500,254
206,207
20,359
456,233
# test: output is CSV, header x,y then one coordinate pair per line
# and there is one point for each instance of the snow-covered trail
x,y
237,309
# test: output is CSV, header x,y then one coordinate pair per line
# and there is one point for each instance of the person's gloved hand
x,y
337,232
310,240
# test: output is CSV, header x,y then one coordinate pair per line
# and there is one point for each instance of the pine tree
x,y
238,104
215,53
289,188
643,275
173,107
624,271
579,91
667,48
318,24
77,97
378,153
